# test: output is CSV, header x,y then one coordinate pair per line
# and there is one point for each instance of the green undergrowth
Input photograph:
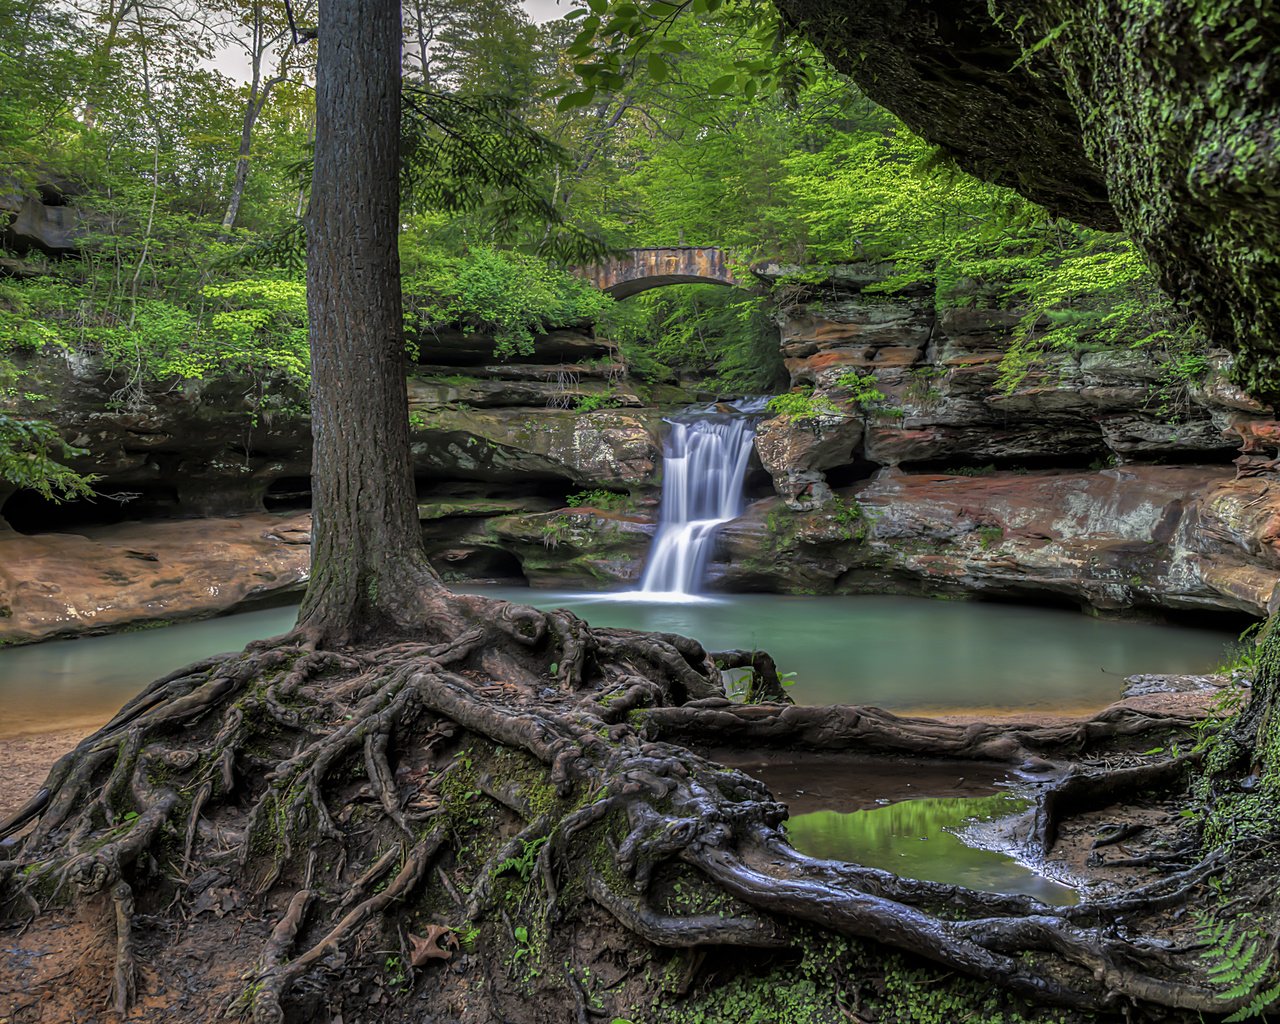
x,y
1234,801
839,980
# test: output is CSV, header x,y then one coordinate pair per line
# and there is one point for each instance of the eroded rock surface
x,y
1099,477
1171,537
105,578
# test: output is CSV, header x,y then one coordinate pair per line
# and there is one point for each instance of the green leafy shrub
x,y
801,405
723,336
510,295
590,403
606,501
29,453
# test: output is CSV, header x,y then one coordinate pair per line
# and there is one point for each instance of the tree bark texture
x,y
367,552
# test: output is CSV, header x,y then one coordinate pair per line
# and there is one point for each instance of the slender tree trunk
x,y
253,106
369,570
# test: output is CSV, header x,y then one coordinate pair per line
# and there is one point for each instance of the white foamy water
x,y
704,464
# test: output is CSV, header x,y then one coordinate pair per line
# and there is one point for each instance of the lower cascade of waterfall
x,y
703,465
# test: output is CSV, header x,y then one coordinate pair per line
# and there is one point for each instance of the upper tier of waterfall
x,y
704,464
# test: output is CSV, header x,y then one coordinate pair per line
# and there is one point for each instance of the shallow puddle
x,y
904,816
917,839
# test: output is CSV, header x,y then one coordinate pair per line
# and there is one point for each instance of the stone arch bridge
x,y
638,270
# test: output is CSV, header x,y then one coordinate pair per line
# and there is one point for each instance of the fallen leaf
x,y
432,946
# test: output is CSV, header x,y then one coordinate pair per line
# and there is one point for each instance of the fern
x,y
524,863
1255,1006
1239,960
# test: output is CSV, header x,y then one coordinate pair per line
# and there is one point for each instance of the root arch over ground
x,y
498,824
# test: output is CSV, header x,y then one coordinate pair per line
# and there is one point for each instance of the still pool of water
x,y
918,839
914,818
902,653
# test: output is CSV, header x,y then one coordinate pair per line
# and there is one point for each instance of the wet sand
x,y
26,762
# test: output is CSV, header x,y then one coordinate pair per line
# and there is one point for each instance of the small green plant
x,y
1183,369
523,865
590,403
1239,959
606,501
989,536
1242,655
921,389
852,516
30,454
524,948
865,393
554,531
394,969
864,389
801,405
467,938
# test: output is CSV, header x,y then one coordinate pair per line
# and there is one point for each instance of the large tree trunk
x,y
367,553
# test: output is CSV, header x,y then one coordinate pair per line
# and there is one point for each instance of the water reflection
x,y
913,839
900,653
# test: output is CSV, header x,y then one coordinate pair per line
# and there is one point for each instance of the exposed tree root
x,y
327,793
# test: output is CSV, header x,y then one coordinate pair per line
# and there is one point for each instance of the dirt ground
x,y
25,762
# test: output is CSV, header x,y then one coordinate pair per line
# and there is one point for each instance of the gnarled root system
x,y
498,826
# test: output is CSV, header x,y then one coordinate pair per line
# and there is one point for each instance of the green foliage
x,y
260,329
1237,960
606,501
394,971
721,335
833,979
509,295
523,865
989,536
882,195
29,454
864,389
853,517
864,392
801,405
591,403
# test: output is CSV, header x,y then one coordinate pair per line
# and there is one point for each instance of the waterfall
x,y
703,465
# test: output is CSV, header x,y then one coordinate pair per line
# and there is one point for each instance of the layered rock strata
x,y
1101,477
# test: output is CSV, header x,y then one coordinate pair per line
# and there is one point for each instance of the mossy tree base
x,y
488,827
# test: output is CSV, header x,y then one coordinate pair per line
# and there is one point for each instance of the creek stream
x,y
905,654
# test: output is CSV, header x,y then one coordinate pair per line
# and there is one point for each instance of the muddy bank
x,y
27,760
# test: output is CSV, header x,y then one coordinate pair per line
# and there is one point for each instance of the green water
x,y
912,839
897,652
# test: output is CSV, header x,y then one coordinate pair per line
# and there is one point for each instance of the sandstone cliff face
x,y
233,447
497,447
1099,479
1161,537
1094,481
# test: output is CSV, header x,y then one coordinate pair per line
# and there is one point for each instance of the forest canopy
x,y
186,185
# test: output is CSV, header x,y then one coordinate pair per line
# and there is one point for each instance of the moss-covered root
x,y
357,803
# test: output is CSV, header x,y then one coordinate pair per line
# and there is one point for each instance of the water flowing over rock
x,y
1093,481
704,463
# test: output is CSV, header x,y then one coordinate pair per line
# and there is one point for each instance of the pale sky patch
x,y
547,10
235,65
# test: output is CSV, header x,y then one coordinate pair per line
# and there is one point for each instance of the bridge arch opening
x,y
639,270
